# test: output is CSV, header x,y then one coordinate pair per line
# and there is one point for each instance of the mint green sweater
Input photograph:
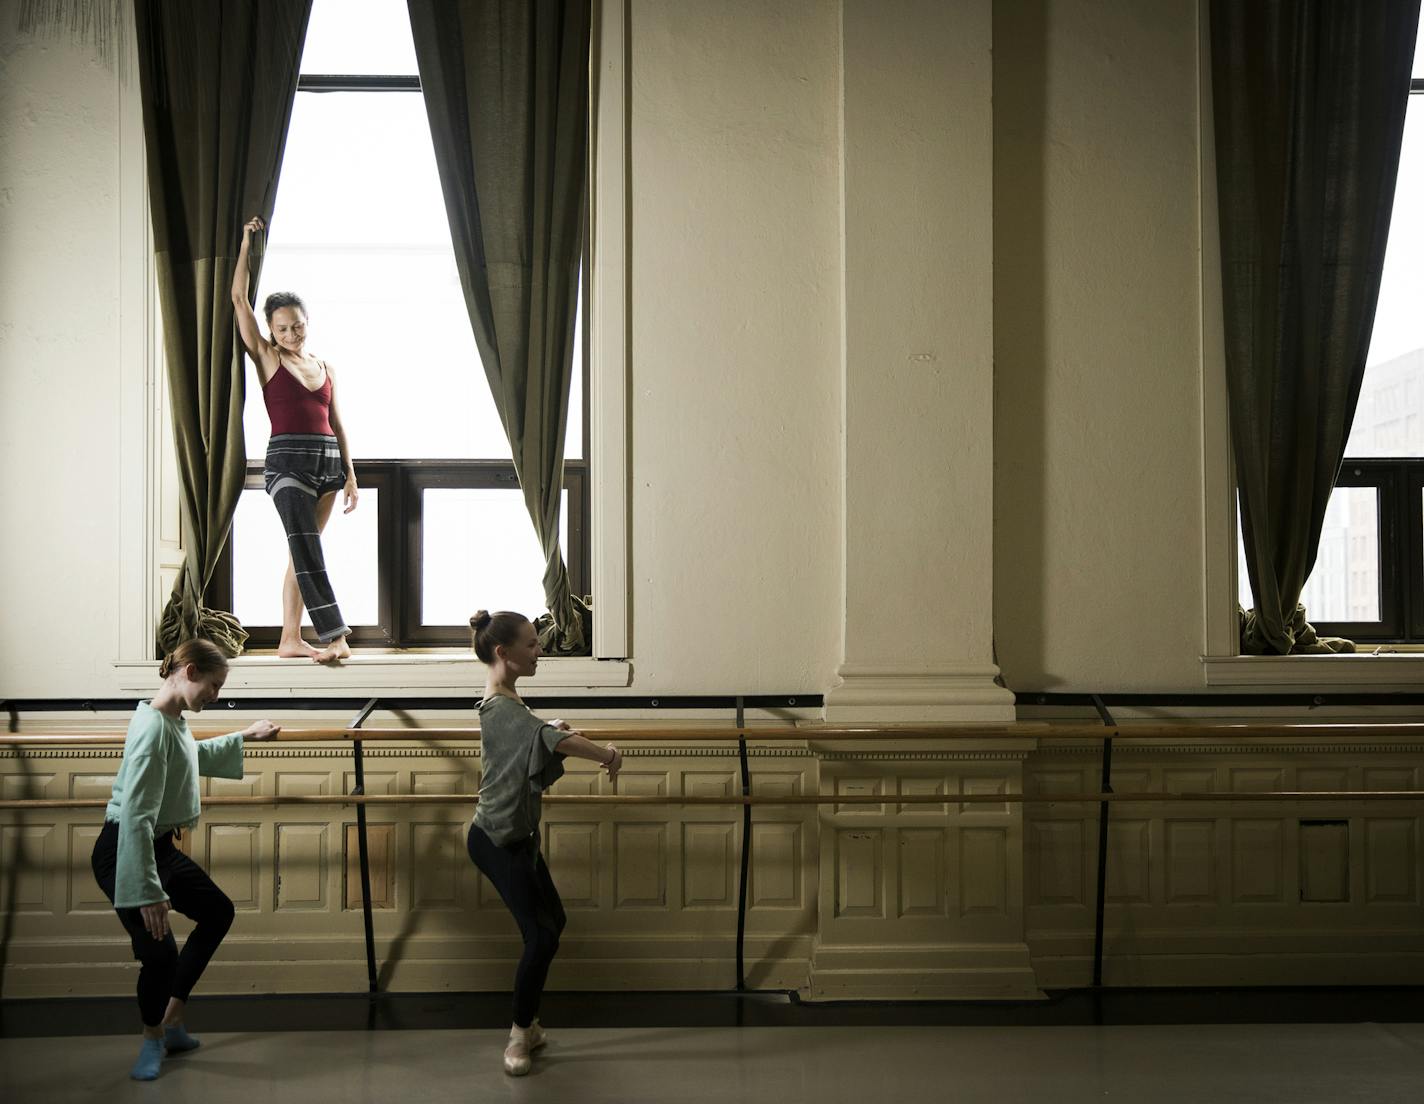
x,y
156,791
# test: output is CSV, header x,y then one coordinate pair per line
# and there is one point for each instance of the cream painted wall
x,y
735,344
1098,489
59,334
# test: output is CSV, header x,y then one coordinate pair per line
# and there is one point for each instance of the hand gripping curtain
x,y
217,81
1309,102
506,92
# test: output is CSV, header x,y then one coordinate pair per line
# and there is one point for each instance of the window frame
x,y
400,481
1383,667
1400,566
151,548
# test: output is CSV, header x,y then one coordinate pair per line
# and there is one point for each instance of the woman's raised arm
x,y
256,345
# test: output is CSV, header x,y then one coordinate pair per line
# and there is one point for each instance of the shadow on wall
x,y
1020,31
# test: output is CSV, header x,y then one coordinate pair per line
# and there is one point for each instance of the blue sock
x,y
177,1039
150,1058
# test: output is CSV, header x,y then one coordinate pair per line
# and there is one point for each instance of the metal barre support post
x,y
1105,785
359,764
746,852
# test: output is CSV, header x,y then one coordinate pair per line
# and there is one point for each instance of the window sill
x,y
390,673
1398,670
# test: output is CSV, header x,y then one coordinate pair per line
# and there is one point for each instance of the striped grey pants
x,y
300,468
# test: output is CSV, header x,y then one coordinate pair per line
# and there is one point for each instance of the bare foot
x,y
295,649
334,652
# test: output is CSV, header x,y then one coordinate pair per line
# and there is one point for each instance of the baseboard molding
x,y
425,964
922,972
1227,970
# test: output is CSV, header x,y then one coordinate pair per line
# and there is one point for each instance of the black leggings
x,y
165,972
520,874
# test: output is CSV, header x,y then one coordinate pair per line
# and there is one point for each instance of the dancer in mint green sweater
x,y
136,863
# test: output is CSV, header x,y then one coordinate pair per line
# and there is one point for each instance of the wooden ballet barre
x,y
828,734
738,800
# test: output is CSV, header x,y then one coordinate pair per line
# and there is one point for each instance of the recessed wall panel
x,y
234,857
983,872
640,871
775,876
1391,860
1191,862
1058,859
1257,861
859,874
300,869
708,857
920,872
440,856
27,856
573,857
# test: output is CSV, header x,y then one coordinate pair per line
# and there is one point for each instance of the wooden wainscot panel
x,y
381,860
1191,862
234,856
1391,860
859,874
84,892
1057,854
640,866
573,853
1257,861
983,872
300,870
775,878
708,854
439,859
920,872
29,854
1129,854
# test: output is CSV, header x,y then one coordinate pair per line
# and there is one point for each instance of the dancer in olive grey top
x,y
520,757
135,861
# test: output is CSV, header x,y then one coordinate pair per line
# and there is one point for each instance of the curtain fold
x,y
217,83
1309,105
506,92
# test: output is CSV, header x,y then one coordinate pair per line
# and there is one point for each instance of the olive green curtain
x,y
506,91
217,82
1309,103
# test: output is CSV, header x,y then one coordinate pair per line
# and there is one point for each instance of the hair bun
x,y
480,619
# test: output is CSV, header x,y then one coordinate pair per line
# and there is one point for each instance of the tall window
x,y
359,231
1368,579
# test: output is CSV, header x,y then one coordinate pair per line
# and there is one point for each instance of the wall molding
x,y
889,695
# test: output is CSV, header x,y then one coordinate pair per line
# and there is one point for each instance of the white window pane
x,y
573,438
480,552
259,560
1344,584
359,36
1389,419
359,232
1418,70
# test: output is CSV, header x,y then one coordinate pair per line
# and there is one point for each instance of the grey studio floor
x,y
861,1054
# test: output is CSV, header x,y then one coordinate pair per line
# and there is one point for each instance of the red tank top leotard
x,y
295,409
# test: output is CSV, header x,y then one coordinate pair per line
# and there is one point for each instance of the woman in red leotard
x,y
308,460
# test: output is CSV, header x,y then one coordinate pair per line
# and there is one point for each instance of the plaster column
x,y
917,203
